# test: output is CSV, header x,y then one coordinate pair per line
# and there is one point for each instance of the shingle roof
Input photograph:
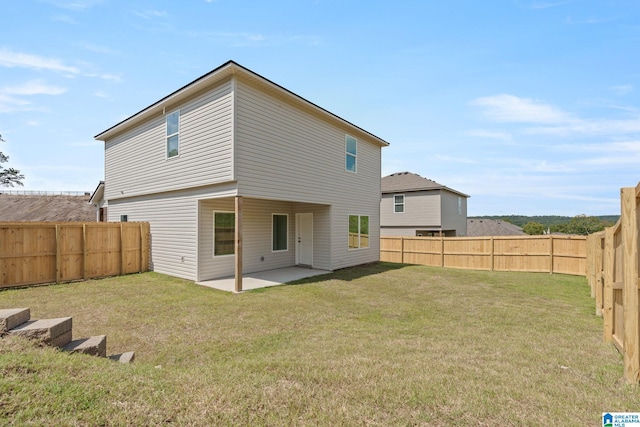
x,y
477,227
46,208
408,181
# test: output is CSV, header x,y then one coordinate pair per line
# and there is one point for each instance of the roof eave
x,y
227,69
413,190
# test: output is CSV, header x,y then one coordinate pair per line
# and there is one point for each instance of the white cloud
x,y
33,87
9,104
510,108
455,159
66,19
482,133
546,5
12,59
601,147
589,127
240,39
587,21
621,89
75,4
105,76
550,120
150,14
97,48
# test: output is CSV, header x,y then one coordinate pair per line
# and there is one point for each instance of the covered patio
x,y
248,242
263,279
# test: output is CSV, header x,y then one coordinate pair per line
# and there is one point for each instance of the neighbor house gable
x,y
427,206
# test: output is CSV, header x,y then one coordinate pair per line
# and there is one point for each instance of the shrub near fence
x,y
613,274
551,254
47,252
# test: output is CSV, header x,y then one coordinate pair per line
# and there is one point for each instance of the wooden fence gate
x,y
612,259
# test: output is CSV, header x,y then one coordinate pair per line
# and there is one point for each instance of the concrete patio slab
x,y
264,279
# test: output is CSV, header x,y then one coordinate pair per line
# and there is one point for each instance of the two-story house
x,y
415,206
236,174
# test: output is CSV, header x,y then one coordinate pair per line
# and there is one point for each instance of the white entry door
x,y
304,239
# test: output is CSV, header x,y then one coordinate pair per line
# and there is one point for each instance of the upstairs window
x,y
351,151
358,231
173,134
398,203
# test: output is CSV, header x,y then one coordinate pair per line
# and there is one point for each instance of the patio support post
x,y
238,244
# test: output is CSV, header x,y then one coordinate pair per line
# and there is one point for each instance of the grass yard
x,y
379,345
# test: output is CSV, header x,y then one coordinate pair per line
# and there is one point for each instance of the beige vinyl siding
x,y
285,153
136,163
398,231
451,220
421,209
173,224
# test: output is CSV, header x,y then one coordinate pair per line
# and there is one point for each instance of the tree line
x,y
579,224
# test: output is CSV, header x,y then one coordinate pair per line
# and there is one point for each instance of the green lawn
x,y
383,344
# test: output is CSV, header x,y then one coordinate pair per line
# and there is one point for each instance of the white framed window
x,y
279,232
398,203
358,231
459,205
173,134
351,150
224,233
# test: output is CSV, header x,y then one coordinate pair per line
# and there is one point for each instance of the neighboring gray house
x,y
233,160
415,206
477,227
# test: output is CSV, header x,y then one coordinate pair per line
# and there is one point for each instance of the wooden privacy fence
x,y
47,252
551,253
613,275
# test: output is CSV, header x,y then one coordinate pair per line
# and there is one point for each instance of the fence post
x,y
492,247
591,262
401,250
629,224
85,253
121,249
141,244
441,250
58,257
607,297
551,253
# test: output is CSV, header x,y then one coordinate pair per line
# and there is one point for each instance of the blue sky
x,y
529,106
